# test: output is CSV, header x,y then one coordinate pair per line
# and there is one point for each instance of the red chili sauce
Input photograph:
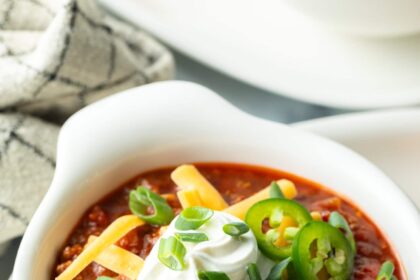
x,y
235,182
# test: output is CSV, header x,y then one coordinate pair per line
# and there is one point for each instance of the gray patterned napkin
x,y
56,56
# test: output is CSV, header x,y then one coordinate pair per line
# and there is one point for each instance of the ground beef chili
x,y
235,182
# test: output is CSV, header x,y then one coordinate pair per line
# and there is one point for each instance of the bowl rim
x,y
43,218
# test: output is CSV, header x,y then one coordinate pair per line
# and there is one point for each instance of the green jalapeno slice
x,y
321,251
271,219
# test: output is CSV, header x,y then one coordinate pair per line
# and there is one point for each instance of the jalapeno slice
x,y
321,251
271,219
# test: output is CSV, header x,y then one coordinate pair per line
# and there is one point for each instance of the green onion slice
x,y
212,275
386,272
275,191
193,218
150,207
253,272
171,253
235,229
277,272
104,278
338,221
194,237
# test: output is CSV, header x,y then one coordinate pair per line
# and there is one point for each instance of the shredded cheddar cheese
x,y
316,216
239,209
111,234
119,260
187,177
189,198
288,188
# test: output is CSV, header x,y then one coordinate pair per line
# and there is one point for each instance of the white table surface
x,y
248,98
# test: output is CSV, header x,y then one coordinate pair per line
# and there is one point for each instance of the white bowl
x,y
170,123
383,18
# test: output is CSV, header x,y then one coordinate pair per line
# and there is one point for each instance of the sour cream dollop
x,y
221,253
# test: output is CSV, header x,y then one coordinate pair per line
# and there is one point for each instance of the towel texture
x,y
57,56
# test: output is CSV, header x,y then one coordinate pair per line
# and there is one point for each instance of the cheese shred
x,y
188,177
114,232
239,209
119,260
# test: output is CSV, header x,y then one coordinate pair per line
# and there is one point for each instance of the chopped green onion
x,y
386,272
277,272
142,201
235,229
194,237
104,278
212,275
275,191
193,218
171,253
253,272
338,221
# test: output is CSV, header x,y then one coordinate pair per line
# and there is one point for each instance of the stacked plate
x,y
275,48
390,139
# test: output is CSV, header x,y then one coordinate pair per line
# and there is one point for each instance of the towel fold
x,y
27,162
56,57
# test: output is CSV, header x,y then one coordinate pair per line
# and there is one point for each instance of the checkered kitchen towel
x,y
56,56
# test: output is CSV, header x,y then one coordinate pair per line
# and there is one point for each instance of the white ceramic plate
x,y
267,44
390,139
